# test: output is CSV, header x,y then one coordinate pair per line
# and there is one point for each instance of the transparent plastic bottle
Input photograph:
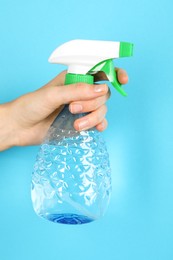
x,y
71,181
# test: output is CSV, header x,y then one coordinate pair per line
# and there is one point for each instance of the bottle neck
x,y
72,78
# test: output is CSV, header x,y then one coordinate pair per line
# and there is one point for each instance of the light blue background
x,y
139,222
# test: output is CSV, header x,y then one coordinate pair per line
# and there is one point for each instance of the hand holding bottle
x,y
26,120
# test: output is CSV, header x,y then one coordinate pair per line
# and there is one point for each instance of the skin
x,y
26,120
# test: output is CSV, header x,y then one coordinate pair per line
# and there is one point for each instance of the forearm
x,y
7,128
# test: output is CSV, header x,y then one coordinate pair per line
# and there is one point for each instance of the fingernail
x,y
99,88
83,124
75,108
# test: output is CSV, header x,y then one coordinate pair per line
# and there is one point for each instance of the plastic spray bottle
x,y
71,181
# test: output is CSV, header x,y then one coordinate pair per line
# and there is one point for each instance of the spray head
x,y
87,57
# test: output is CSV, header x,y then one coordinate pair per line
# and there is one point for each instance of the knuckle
x,y
95,104
98,102
97,117
105,109
100,114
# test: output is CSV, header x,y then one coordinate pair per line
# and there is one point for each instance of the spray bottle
x,y
71,181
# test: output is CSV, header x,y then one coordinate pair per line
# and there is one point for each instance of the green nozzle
x,y
126,49
107,66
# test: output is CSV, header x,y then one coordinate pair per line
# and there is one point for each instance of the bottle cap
x,y
75,78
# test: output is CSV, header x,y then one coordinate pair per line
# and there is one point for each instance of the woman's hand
x,y
26,120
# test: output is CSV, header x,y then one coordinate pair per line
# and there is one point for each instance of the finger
x,y
102,126
88,106
91,120
56,96
121,74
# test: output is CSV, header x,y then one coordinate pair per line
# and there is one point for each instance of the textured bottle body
x,y
71,181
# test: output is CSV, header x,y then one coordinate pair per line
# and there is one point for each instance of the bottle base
x,y
70,219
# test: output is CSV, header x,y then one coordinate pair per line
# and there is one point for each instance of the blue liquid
x,y
71,219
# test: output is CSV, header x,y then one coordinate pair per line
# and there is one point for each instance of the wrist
x,y
8,137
